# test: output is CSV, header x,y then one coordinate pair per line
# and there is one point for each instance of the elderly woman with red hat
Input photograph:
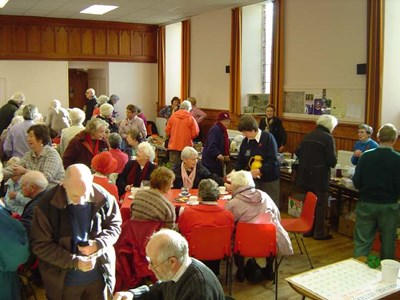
x,y
103,164
216,147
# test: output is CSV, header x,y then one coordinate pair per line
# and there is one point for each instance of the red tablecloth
x,y
171,195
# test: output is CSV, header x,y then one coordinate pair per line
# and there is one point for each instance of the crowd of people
x,y
65,178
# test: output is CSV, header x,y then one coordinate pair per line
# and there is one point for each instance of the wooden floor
x,y
321,252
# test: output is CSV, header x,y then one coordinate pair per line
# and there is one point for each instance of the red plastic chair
x,y
212,243
131,263
257,240
304,223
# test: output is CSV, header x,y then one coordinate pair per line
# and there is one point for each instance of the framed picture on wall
x,y
247,109
259,102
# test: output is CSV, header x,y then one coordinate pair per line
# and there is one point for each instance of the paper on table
x,y
347,279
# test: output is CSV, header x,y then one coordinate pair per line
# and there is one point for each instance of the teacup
x,y
222,189
193,200
134,191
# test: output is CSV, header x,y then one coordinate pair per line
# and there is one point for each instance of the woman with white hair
x,y
100,101
247,204
190,171
57,117
106,111
77,117
86,144
137,170
317,155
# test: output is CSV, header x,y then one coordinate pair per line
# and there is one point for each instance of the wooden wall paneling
x,y
34,39
48,40
100,41
137,42
61,40
5,38
20,42
69,39
125,43
113,42
75,40
88,41
150,45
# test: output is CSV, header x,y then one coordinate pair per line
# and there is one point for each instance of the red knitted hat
x,y
104,163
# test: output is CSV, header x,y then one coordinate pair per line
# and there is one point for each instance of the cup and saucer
x,y
222,190
193,201
184,193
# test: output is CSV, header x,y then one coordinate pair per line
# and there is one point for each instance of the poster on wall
x,y
345,104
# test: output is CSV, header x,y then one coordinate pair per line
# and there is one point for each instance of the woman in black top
x,y
274,125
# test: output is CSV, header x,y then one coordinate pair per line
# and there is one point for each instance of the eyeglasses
x,y
155,267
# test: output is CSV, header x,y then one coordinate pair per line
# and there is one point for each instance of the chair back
x,y
255,240
210,243
308,211
131,262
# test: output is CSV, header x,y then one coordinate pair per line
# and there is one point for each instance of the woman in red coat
x,y
207,213
86,144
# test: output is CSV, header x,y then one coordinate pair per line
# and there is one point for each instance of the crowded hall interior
x,y
199,149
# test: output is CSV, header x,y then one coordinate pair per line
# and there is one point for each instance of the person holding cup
x,y
377,177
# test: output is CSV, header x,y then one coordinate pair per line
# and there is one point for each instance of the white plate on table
x,y
130,197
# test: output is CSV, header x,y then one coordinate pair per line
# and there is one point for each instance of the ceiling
x,y
131,11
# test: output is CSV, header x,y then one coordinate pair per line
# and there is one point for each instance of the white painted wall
x,y
324,41
251,50
210,53
40,81
173,62
391,67
134,83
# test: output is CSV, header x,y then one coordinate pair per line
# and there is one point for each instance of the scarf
x,y
187,180
133,174
226,138
94,148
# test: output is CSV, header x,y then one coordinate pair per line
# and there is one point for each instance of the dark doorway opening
x,y
78,83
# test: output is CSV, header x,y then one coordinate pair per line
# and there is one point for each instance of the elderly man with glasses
x,y
180,276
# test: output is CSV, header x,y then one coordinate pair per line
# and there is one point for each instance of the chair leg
x,y
229,274
308,256
276,277
297,241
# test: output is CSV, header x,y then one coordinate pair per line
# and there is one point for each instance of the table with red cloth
x,y
171,195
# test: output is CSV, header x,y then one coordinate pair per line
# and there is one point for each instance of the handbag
x,y
253,271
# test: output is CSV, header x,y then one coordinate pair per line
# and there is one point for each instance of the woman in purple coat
x,y
216,147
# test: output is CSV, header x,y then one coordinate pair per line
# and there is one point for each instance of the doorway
x,y
77,85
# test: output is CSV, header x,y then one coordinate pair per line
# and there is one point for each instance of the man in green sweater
x,y
377,177
180,276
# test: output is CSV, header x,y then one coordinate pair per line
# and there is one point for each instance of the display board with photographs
x,y
346,104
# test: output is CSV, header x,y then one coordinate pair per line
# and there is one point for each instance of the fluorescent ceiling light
x,y
3,3
98,9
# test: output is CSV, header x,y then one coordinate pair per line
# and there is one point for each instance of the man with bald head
x,y
180,276
74,228
33,185
91,104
